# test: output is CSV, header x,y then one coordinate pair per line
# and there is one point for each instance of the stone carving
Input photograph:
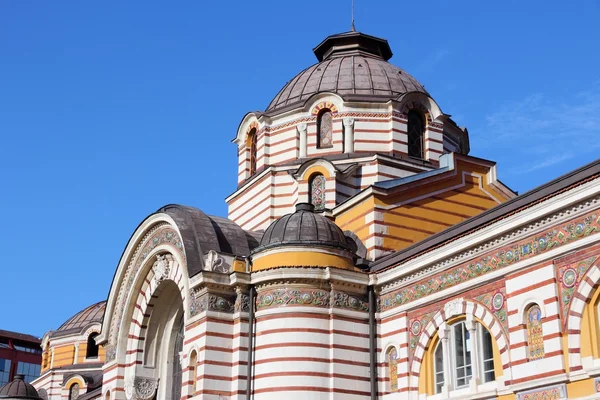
x,y
289,297
344,300
242,303
214,263
209,302
302,127
348,121
139,388
161,267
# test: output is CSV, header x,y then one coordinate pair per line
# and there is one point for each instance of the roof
x,y
82,319
19,389
352,65
303,227
19,336
201,233
589,171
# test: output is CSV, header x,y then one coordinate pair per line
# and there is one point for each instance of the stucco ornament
x,y
215,263
161,267
348,121
453,307
139,388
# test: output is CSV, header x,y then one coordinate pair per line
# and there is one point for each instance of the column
x,y
444,334
348,135
472,328
302,128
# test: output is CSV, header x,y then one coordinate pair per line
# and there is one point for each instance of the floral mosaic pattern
x,y
345,301
535,334
317,191
570,276
549,393
526,248
495,301
416,326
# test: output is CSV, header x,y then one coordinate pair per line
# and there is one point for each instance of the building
x,y
20,354
366,254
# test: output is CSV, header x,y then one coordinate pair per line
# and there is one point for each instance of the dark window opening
x,y
416,130
92,347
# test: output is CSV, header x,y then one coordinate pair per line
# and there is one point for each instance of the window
x,y
415,129
461,353
325,129
317,191
4,371
535,334
74,391
192,369
29,370
391,358
92,347
251,143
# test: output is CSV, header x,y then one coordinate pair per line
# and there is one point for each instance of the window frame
x,y
421,134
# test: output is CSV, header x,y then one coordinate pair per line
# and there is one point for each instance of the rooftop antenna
x,y
352,29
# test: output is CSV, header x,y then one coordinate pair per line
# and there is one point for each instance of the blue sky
x,y
109,110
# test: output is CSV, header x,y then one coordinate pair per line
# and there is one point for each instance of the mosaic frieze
x,y
549,393
570,276
495,302
162,235
507,255
287,297
209,302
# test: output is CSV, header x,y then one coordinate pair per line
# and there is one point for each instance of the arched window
x,y
535,334
107,397
317,191
391,358
74,391
416,130
461,344
92,347
192,369
325,129
251,144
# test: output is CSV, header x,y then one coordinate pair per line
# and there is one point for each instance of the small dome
x,y
352,65
83,318
303,227
19,389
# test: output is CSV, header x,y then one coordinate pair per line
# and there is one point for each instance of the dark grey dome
x,y
19,389
81,320
354,66
303,227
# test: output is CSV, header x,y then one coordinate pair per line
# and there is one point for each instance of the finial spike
x,y
352,29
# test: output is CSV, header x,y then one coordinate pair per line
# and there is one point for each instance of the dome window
x,y
416,130
92,348
325,129
251,144
317,191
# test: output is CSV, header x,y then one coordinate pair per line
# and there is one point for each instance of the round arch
x,y
452,309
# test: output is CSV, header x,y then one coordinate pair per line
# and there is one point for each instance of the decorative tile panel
x,y
495,302
556,392
570,276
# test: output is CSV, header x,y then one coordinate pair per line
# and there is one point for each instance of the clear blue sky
x,y
109,110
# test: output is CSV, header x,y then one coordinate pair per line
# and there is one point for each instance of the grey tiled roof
x,y
355,67
93,313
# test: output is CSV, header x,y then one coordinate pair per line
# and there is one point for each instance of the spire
x,y
352,29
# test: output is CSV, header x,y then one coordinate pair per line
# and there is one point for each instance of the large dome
x,y
83,318
352,65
